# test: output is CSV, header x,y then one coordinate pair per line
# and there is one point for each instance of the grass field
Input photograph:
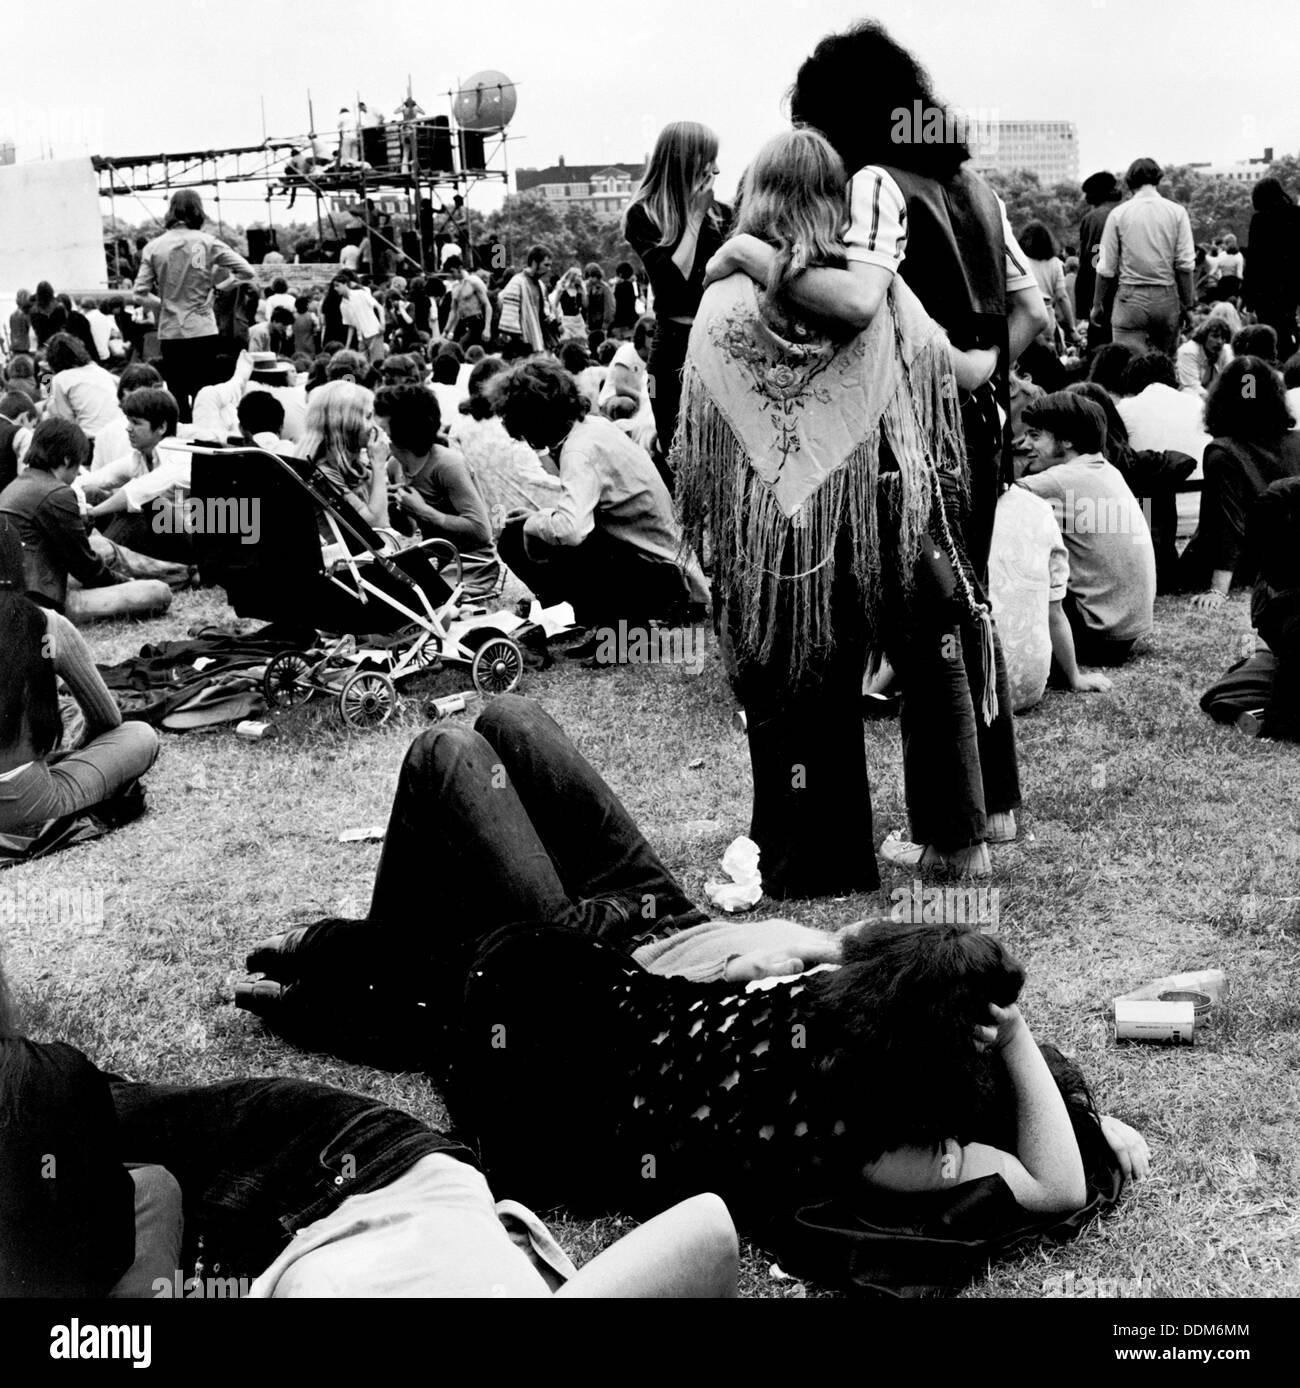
x,y
1152,841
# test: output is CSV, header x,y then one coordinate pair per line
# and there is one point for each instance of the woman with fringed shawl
x,y
919,215
816,467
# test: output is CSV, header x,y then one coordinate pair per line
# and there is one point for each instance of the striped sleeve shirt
x,y
877,233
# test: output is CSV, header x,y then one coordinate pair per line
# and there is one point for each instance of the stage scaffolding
x,y
419,162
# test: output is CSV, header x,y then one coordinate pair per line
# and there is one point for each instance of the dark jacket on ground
x,y
48,520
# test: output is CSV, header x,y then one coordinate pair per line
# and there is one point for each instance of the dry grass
x,y
1153,841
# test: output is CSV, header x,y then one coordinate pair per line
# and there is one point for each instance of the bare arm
x,y
1063,649
688,1251
852,297
1026,318
1063,304
1046,1172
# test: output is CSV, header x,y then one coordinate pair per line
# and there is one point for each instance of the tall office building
x,y
1049,148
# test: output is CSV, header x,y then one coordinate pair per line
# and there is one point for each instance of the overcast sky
x,y
1181,81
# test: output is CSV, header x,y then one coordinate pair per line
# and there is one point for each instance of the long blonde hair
x,y
680,165
796,198
337,431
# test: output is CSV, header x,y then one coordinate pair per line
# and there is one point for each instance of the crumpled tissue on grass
x,y
743,892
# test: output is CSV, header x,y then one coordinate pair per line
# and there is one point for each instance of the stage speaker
x,y
260,241
471,150
374,148
435,145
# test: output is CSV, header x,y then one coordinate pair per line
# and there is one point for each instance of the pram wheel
x,y
424,654
367,700
287,683
498,666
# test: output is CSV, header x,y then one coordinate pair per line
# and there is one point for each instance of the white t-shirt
x,y
140,484
1112,561
629,358
357,311
435,1231
350,257
275,301
1162,417
101,329
87,395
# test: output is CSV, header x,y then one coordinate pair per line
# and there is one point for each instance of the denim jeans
x,y
812,800
137,597
957,769
158,1229
66,783
519,829
534,834
1145,317
667,358
258,1159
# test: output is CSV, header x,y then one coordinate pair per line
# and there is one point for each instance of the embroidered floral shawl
x,y
778,448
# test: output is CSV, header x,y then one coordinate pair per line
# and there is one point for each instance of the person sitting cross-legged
x,y
1112,587
138,501
610,545
37,782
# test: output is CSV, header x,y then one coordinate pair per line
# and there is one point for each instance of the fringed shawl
x,y
778,451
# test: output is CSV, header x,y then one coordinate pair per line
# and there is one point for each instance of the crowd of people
x,y
927,460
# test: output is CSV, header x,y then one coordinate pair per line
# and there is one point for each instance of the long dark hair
x,y
907,1000
28,696
1259,414
860,89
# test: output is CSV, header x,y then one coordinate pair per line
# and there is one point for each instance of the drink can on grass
x,y
1168,1023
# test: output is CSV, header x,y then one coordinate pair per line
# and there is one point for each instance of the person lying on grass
x,y
286,1188
719,1056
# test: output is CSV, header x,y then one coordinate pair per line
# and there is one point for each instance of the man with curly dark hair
x,y
610,544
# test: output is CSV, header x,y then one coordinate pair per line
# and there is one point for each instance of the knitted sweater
x,y
589,1081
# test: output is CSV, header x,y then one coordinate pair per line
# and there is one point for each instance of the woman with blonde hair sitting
x,y
348,448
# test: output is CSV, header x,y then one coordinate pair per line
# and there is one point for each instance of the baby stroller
x,y
258,522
